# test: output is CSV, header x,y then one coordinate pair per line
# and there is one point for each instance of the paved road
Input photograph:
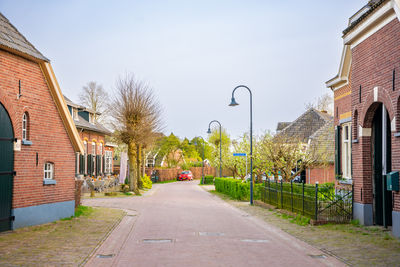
x,y
180,224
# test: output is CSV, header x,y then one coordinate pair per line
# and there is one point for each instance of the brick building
x,y
97,159
38,140
367,91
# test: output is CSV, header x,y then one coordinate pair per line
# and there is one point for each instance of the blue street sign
x,y
239,154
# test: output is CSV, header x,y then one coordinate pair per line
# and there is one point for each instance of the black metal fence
x,y
320,203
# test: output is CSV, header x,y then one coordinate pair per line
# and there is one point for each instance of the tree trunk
x,y
133,182
143,162
138,161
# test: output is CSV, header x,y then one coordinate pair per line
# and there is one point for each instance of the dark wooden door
x,y
6,168
382,205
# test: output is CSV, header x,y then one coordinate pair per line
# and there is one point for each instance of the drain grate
x,y
105,256
255,240
157,240
211,234
318,256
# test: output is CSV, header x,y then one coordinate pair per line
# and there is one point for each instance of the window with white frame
x,y
93,148
108,161
101,149
91,117
48,171
85,145
25,121
346,150
75,113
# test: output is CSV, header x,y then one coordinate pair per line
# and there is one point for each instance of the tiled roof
x,y
282,125
306,125
96,127
372,5
12,38
84,124
324,141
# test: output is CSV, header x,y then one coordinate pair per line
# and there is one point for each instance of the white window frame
x,y
108,161
75,114
100,148
91,118
346,150
93,148
25,126
48,171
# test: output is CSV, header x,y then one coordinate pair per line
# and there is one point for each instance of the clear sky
x,y
193,53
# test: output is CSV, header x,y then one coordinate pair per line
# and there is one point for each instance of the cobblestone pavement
x,y
180,224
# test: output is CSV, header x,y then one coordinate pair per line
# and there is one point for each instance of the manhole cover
x,y
211,234
157,240
105,256
318,256
255,240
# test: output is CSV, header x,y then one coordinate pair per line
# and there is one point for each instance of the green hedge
x,y
237,189
208,179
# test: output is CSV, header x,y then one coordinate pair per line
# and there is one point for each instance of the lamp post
x,y
220,144
202,168
232,104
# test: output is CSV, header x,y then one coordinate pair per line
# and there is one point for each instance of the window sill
x,y
27,142
49,181
346,181
355,141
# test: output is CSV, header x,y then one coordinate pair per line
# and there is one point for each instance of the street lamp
x,y
202,168
232,104
220,144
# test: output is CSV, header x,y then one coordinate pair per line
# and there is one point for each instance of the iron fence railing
x,y
318,203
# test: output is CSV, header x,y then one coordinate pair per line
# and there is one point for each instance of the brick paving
x,y
180,224
62,243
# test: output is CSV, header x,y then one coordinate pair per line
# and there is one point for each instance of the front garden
x,y
321,203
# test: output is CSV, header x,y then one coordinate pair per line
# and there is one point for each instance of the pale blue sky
x,y
193,53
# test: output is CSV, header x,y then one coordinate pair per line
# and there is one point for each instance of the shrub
x,y
147,182
124,188
208,179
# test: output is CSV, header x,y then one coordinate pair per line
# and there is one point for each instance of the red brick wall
x,y
165,174
342,103
373,62
321,175
46,131
91,137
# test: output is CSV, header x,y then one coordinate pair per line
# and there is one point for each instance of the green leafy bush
x,y
147,182
208,179
237,189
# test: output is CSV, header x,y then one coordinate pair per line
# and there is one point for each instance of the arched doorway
x,y
6,168
381,149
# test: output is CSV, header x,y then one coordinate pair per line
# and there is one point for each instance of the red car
x,y
185,175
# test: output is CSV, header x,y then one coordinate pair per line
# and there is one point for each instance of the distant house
x,y
315,130
97,159
39,143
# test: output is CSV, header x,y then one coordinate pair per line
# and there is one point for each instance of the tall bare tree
x,y
96,98
137,116
322,103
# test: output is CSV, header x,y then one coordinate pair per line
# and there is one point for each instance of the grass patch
x,y
107,195
166,182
